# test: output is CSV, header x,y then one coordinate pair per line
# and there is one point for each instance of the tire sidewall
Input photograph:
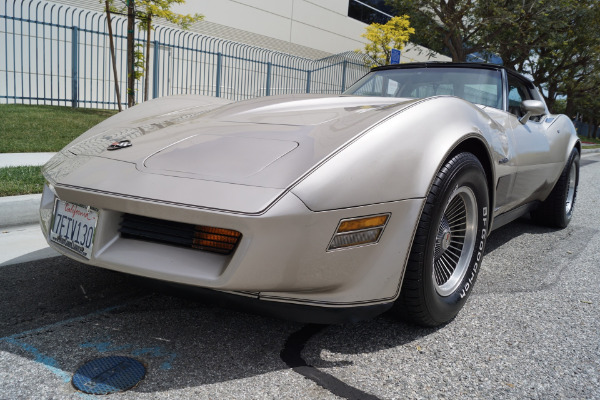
x,y
573,163
471,175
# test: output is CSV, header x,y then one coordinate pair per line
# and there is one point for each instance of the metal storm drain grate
x,y
108,375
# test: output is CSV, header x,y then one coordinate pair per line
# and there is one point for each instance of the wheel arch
x,y
475,146
578,146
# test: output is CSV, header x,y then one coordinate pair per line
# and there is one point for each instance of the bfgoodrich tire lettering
x,y
448,247
557,209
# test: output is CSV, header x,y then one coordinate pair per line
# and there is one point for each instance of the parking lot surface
x,y
531,329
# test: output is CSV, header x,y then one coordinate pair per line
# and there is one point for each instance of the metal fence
x,y
586,129
60,55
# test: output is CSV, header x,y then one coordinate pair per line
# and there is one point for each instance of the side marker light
x,y
358,231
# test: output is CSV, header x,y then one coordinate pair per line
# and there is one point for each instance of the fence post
x,y
74,66
218,94
308,74
344,75
268,79
155,71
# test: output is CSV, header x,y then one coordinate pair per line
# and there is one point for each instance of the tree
x,y
384,37
586,103
146,11
454,27
131,67
555,42
112,54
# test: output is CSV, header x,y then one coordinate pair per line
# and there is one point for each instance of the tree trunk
x,y
550,103
112,55
570,106
457,50
130,53
147,71
551,98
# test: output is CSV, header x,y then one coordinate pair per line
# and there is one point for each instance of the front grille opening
x,y
198,237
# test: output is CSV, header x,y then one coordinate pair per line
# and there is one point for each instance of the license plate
x,y
73,227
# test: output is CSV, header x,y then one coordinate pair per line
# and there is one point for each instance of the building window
x,y
369,11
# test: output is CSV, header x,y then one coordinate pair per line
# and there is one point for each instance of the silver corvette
x,y
322,208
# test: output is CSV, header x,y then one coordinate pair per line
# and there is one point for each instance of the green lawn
x,y
31,128
16,181
596,142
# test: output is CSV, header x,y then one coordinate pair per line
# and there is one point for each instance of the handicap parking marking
x,y
48,362
105,344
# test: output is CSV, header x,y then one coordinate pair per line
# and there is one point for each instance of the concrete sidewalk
x,y
20,159
19,244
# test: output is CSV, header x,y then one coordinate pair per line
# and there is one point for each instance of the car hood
x,y
266,142
194,142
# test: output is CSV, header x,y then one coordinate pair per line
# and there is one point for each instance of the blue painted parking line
x,y
48,362
106,345
63,322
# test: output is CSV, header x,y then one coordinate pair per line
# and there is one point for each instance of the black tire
x,y
557,209
433,292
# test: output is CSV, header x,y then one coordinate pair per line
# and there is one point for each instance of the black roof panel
x,y
445,64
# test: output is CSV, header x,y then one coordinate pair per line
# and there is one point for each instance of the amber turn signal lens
x,y
362,223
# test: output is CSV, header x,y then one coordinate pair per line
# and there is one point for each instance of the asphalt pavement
x,y
530,330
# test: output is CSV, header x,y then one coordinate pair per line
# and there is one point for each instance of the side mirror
x,y
532,108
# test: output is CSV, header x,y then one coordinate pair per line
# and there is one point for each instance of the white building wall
x,y
326,29
323,26
307,28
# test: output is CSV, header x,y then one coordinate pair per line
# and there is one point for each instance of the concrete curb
x,y
19,210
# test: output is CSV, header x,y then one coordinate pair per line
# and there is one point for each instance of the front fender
x,y
399,158
563,127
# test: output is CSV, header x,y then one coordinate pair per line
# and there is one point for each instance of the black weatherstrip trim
x,y
292,356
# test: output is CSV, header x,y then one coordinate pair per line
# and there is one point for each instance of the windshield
x,y
477,85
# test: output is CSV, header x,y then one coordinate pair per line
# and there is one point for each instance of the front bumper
x,y
281,258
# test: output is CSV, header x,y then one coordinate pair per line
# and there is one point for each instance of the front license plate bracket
x,y
74,227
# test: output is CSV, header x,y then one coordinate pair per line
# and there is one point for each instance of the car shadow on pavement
x,y
523,256
522,226
58,314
